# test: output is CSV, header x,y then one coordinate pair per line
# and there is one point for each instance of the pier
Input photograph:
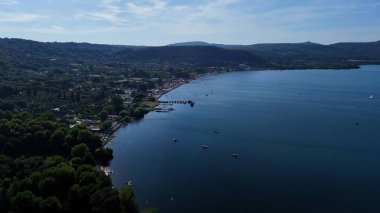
x,y
178,102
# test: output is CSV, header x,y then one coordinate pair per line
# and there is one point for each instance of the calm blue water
x,y
300,147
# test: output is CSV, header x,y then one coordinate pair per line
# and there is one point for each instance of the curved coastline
x,y
139,155
199,76
158,97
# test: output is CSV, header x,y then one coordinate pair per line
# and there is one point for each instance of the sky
x,y
162,22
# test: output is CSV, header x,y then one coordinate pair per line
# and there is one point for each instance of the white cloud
x,y
219,21
147,10
106,16
161,12
19,17
110,12
58,30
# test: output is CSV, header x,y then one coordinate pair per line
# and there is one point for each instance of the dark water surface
x,y
301,148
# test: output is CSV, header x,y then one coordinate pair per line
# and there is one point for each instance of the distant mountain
x,y
203,56
28,54
191,43
307,52
297,52
361,50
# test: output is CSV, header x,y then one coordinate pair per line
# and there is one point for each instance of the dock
x,y
178,102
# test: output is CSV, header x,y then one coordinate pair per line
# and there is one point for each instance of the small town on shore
x,y
150,102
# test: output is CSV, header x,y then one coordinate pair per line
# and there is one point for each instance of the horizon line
x,y
184,42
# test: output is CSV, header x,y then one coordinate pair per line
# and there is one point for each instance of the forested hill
x,y
203,56
296,52
308,54
19,51
361,51
309,51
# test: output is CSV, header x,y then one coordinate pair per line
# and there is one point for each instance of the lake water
x,y
308,141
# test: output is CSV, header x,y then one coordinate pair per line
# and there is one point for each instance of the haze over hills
x,y
25,53
19,50
307,51
193,43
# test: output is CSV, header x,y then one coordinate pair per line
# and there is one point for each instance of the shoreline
x,y
108,139
250,70
162,140
183,83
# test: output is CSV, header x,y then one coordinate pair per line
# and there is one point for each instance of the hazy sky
x,y
160,22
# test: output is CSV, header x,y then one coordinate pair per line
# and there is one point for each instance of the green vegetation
x,y
81,80
60,101
308,55
45,166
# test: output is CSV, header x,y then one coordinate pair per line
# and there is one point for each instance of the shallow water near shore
x,y
308,141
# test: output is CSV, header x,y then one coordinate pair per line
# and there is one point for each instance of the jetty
x,y
168,109
178,102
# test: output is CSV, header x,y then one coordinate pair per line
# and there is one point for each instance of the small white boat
x,y
235,155
129,183
370,97
107,171
204,146
175,140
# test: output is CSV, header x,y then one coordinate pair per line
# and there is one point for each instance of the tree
x,y
70,140
103,115
4,203
89,159
80,151
117,103
106,125
4,166
84,136
57,140
123,113
139,112
128,202
87,178
91,140
48,186
105,200
78,198
25,202
65,177
103,156
8,149
51,204
26,184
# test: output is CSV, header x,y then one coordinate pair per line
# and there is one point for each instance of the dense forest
x,y
46,166
308,55
24,53
28,54
52,94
